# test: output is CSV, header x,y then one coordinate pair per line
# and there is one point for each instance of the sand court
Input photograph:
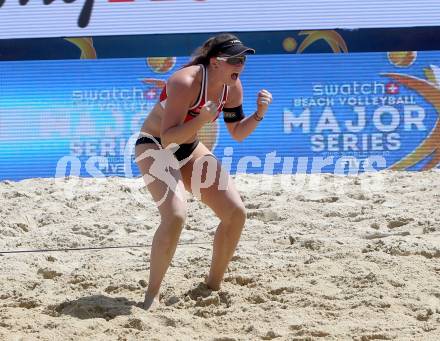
x,y
332,261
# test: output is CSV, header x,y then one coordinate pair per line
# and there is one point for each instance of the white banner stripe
x,y
187,16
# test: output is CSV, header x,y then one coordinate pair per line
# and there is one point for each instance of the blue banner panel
x,y
272,42
331,113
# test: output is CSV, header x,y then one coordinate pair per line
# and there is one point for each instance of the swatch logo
x,y
87,9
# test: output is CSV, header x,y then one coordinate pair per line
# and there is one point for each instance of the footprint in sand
x,y
318,198
208,312
300,330
91,307
253,206
424,315
270,335
256,299
171,300
168,321
398,222
200,291
312,244
358,196
240,280
281,290
120,288
368,337
137,324
48,273
225,338
401,247
265,215
204,296
333,214
375,226
27,303
207,301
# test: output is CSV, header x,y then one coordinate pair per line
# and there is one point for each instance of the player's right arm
x,y
180,95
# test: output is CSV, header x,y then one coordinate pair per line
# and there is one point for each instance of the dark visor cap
x,y
232,48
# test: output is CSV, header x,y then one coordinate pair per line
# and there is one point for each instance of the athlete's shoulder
x,y
185,77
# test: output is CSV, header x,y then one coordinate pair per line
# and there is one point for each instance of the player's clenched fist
x,y
264,98
209,111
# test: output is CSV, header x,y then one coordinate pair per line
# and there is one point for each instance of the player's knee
x,y
175,219
237,216
169,230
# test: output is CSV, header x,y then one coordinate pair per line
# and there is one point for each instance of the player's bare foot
x,y
150,302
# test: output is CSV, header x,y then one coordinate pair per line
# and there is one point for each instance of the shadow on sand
x,y
96,306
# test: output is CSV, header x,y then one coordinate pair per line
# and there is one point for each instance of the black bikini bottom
x,y
185,149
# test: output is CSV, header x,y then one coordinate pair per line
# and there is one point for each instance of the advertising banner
x,y
48,18
338,113
279,42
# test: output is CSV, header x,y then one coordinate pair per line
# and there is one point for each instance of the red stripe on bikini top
x,y
194,111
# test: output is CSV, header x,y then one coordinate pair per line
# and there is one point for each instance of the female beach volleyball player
x,y
193,96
